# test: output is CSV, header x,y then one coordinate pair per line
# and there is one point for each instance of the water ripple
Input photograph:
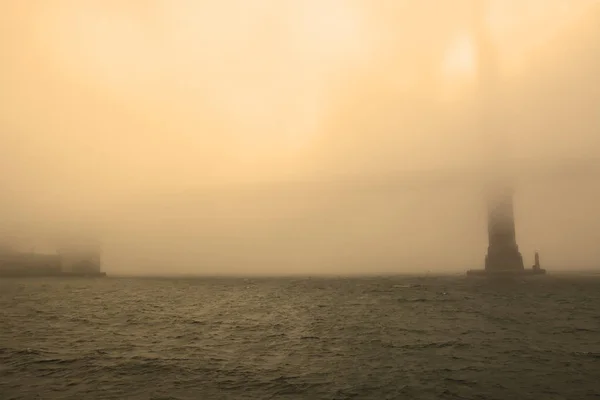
x,y
388,338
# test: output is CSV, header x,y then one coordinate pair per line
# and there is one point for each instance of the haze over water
x,y
159,127
251,139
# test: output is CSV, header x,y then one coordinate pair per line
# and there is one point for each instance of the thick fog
x,y
305,137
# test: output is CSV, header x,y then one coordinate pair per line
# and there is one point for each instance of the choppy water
x,y
362,338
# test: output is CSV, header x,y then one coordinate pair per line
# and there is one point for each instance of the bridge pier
x,y
503,255
503,251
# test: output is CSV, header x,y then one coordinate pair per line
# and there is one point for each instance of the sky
x,y
107,102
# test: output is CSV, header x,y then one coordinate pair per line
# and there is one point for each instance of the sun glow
x,y
458,68
459,61
247,84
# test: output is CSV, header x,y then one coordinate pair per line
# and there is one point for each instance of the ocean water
x,y
300,338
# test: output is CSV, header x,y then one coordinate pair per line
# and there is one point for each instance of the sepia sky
x,y
106,101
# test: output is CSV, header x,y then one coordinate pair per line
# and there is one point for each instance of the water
x,y
361,338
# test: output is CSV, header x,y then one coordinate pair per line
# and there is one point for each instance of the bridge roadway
x,y
221,200
521,172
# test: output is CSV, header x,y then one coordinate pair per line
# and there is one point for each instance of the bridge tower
x,y
503,252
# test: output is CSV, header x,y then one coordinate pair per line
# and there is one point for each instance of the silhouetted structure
x,y
80,261
503,256
503,251
76,264
536,265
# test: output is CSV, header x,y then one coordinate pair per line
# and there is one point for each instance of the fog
x,y
276,137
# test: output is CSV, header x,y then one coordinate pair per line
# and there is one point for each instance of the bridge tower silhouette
x,y
503,255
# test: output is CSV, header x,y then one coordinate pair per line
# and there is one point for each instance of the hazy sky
x,y
105,100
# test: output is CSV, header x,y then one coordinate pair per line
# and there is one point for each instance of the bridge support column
x,y
503,251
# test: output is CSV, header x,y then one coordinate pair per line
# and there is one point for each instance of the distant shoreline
x,y
551,272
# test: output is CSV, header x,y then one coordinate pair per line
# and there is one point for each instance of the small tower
x,y
536,263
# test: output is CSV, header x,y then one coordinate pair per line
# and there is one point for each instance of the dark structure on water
x,y
503,251
503,256
63,264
